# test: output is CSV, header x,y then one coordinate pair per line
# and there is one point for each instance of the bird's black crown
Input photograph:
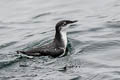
x,y
63,23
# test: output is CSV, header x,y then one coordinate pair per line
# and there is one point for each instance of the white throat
x,y
64,38
64,35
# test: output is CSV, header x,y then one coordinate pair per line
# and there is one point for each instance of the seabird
x,y
58,45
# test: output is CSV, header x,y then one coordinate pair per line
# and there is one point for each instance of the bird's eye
x,y
64,23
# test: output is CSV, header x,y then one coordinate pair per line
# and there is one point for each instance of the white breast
x,y
64,37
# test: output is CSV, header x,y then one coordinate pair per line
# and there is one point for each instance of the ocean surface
x,y
94,41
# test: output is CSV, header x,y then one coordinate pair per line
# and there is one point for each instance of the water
x,y
94,41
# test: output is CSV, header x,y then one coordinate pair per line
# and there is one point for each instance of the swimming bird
x,y
58,45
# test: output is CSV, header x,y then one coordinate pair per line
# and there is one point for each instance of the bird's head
x,y
61,25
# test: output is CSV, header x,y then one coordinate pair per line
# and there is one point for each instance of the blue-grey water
x,y
94,41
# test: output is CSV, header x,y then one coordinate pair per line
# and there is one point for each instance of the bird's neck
x,y
60,34
61,38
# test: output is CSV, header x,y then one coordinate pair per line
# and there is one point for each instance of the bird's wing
x,y
51,52
43,51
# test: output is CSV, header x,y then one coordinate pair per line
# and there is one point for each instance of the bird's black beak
x,y
74,21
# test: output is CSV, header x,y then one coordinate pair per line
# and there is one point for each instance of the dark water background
x,y
94,41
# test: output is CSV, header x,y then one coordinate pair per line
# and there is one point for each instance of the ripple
x,y
41,15
96,29
75,32
24,22
5,27
6,63
7,44
101,45
113,24
76,78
